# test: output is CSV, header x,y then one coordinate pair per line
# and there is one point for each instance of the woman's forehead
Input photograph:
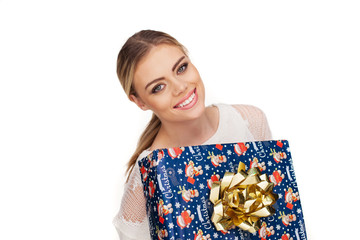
x,y
159,61
164,53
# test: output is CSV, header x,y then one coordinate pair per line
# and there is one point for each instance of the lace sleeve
x,y
131,221
257,122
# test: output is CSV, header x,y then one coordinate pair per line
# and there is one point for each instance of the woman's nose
x,y
180,86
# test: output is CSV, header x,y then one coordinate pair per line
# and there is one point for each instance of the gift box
x,y
180,185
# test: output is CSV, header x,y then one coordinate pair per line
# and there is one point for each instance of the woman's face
x,y
167,83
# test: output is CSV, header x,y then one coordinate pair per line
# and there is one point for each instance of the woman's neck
x,y
194,132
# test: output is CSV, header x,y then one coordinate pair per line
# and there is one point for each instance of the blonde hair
x,y
134,49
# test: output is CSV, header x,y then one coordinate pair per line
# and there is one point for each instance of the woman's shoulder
x,y
257,121
249,111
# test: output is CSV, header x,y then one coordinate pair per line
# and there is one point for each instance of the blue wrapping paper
x,y
177,183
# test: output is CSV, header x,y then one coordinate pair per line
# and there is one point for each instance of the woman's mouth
x,y
188,102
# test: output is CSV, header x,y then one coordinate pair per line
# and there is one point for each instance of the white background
x,y
67,128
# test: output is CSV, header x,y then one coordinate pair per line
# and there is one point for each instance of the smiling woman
x,y
176,96
157,74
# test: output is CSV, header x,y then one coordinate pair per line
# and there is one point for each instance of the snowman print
x,y
187,195
200,235
265,231
240,148
192,171
255,163
163,210
216,159
185,219
290,197
276,177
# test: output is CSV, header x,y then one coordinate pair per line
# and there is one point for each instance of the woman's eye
x,y
182,68
157,88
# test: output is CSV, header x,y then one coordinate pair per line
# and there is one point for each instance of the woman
x,y
156,73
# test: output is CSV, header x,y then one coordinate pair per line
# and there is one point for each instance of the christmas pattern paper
x,y
177,183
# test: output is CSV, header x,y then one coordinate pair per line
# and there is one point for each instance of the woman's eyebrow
x,y
177,63
153,81
161,78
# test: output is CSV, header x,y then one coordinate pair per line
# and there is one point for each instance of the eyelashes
x,y
182,68
159,87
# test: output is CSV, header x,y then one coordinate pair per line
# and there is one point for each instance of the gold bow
x,y
241,199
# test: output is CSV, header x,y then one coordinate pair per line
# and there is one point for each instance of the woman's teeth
x,y
187,101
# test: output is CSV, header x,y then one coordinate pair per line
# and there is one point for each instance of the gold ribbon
x,y
241,199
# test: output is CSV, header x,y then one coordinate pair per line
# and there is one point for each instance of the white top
x,y
238,123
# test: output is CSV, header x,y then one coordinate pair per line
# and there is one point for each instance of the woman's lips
x,y
188,101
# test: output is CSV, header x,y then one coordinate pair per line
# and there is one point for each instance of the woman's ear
x,y
138,102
